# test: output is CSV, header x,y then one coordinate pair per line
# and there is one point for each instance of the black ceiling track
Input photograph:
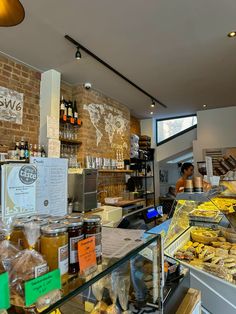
x,y
77,44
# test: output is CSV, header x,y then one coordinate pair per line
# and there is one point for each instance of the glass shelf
x,y
77,285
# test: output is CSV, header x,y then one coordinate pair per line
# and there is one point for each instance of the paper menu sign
x,y
42,285
54,148
52,127
4,292
51,189
18,190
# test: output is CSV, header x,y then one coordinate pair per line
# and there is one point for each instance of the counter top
x,y
124,203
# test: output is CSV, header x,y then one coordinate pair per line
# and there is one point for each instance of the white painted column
x,y
49,104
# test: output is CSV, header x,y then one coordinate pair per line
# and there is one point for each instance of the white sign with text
x,y
18,190
51,185
11,105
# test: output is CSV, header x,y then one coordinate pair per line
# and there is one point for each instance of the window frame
x,y
177,134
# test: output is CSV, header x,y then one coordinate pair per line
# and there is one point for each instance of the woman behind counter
x,y
186,171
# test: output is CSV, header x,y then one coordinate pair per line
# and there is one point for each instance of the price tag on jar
x,y
87,254
4,292
40,286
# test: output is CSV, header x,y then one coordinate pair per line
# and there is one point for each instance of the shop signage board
x,y
18,190
4,292
51,189
42,285
11,105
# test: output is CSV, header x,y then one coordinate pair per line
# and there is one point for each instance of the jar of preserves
x,y
93,228
17,235
54,248
75,234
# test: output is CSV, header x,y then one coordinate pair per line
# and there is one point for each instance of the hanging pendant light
x,y
11,12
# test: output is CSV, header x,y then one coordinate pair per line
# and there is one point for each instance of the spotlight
x,y
204,106
153,103
151,112
231,34
78,54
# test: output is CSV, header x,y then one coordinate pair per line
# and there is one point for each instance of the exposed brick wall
x,y
24,80
87,133
135,127
66,91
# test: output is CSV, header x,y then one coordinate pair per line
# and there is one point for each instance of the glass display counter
x,y
127,281
202,237
118,285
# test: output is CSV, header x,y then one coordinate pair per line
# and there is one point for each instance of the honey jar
x,y
93,228
54,248
75,234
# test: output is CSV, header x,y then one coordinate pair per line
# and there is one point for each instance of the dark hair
x,y
186,166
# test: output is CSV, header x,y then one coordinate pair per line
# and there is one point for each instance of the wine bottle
x,y
69,110
75,113
26,151
66,110
43,152
22,149
62,108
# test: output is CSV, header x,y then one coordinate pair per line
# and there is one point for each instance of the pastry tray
x,y
214,218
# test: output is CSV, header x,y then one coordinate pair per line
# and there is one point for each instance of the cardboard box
x,y
191,303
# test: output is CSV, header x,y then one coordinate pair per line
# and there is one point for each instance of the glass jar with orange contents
x,y
54,248
17,235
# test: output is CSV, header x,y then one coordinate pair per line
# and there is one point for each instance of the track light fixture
x,y
108,66
78,54
153,103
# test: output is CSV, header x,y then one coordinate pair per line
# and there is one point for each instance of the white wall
x,y
173,176
216,129
148,128
177,145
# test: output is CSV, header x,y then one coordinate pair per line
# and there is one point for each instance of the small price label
x,y
72,120
40,286
87,254
64,118
4,292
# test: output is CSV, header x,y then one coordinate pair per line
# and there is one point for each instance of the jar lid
x,y
54,219
74,215
74,222
54,228
93,218
40,217
19,223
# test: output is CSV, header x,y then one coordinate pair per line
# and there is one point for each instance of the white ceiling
x,y
177,50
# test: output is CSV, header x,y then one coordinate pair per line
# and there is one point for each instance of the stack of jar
x,y
59,239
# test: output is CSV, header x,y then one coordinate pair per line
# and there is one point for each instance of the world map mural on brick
x,y
113,119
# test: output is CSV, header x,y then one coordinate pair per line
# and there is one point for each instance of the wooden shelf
x,y
146,177
115,171
72,142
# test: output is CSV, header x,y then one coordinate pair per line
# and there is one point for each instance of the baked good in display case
x,y
210,248
210,251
